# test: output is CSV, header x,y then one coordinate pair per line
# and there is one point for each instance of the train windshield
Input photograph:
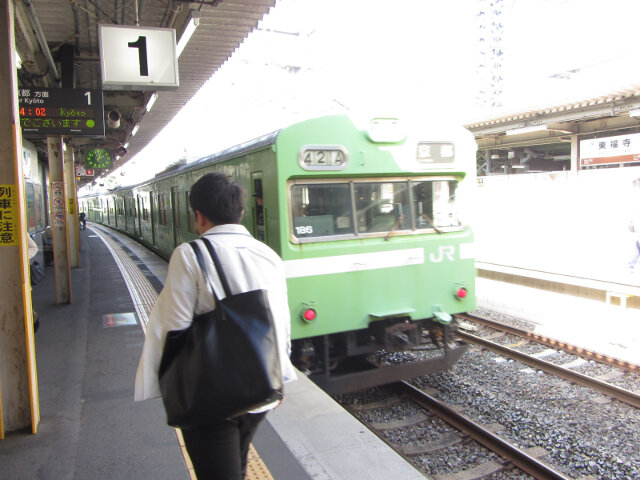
x,y
372,208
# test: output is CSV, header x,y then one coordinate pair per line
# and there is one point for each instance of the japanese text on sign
x,y
610,150
61,111
8,215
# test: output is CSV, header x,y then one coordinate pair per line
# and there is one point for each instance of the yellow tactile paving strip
x,y
144,296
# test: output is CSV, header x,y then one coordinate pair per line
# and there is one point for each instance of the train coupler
x,y
401,336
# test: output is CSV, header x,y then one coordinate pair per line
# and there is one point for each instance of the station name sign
x,y
610,150
61,111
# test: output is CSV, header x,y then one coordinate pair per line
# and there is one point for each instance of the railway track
x,y
553,343
518,457
508,457
516,422
624,395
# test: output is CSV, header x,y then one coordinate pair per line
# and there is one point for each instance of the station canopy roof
x,y
541,136
618,109
64,34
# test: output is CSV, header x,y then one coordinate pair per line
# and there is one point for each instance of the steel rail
x,y
553,343
522,460
618,393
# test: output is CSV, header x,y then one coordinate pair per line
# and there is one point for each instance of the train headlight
x,y
386,130
461,293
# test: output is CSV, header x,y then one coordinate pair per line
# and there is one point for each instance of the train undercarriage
x,y
351,361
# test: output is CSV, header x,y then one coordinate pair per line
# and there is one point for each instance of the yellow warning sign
x,y
9,226
72,206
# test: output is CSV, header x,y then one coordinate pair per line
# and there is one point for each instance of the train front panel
x,y
371,228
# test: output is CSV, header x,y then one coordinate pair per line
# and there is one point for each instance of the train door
x,y
258,210
176,208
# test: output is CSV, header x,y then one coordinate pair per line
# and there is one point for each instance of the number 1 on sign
x,y
141,45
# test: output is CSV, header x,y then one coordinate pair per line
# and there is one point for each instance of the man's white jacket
x,y
248,264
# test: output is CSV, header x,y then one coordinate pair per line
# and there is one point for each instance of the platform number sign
x,y
138,58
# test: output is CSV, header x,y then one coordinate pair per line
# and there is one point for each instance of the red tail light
x,y
309,314
461,293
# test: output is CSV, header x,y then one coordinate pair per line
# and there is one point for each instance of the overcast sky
x,y
314,57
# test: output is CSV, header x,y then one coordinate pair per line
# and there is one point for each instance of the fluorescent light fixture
x,y
194,21
534,128
634,113
151,101
135,130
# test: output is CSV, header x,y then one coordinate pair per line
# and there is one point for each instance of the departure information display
x,y
61,111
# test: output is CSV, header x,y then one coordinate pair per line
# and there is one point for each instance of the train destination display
x,y
61,111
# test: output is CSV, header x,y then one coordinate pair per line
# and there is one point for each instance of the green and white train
x,y
369,220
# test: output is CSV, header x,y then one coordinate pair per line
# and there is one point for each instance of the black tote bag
x,y
225,363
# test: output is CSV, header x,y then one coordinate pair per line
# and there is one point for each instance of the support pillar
x,y
575,154
57,197
19,406
73,231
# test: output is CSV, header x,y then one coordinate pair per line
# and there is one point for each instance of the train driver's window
x,y
382,206
434,204
321,210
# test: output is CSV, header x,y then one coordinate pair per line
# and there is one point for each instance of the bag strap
x,y
218,265
198,254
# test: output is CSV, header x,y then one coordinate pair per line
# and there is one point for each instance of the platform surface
x,y
87,355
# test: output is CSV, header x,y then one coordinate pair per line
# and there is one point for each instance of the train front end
x,y
377,249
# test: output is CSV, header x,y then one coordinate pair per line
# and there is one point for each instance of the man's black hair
x,y
218,197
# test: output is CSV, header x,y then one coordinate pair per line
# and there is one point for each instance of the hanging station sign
x,y
610,150
138,58
61,111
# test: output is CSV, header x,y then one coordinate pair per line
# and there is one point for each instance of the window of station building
x,y
373,208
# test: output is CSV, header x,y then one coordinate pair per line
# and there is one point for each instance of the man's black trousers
x,y
220,451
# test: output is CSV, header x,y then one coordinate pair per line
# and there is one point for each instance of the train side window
x,y
145,210
192,218
177,211
162,209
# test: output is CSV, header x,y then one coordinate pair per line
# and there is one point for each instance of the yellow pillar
x,y
19,407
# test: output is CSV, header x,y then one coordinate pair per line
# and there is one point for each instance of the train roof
x,y
251,145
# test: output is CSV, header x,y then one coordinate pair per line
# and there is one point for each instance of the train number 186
x,y
304,230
